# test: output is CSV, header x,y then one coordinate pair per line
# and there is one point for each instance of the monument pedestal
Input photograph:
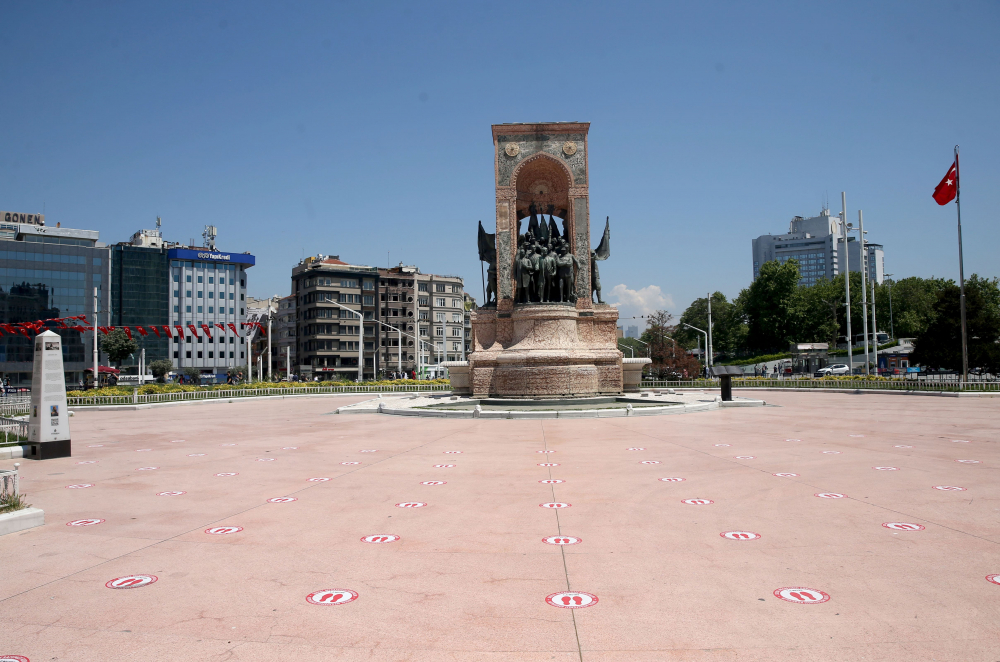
x,y
545,350
48,420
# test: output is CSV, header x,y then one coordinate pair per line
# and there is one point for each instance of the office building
x,y
335,302
440,320
632,332
140,292
48,272
817,244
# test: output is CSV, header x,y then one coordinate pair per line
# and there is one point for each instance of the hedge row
x,y
148,389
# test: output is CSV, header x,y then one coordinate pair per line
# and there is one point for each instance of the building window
x,y
177,309
230,311
438,317
423,301
457,332
211,281
421,287
211,309
187,279
423,331
369,285
455,289
210,355
177,278
230,353
177,293
200,354
188,353
230,296
177,355
199,309
369,299
187,309
438,331
439,302
211,295
439,287
456,317
187,293
425,315
199,280
200,294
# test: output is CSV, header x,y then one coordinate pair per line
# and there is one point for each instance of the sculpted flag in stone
x,y
603,252
488,254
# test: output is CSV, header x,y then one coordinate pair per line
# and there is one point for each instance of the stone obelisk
x,y
48,420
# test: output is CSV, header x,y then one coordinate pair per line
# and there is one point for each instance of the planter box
x,y
19,520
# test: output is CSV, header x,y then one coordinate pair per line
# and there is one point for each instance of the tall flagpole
x,y
961,270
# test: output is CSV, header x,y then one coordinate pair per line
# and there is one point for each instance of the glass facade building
x,y
48,272
139,296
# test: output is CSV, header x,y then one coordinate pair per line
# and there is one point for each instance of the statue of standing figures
x,y
603,252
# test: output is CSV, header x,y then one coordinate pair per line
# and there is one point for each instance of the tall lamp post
x,y
361,337
847,280
704,333
892,331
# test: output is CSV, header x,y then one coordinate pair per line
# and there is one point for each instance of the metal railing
x,y
847,384
9,483
13,426
181,396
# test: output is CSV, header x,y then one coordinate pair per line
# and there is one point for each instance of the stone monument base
x,y
48,450
545,350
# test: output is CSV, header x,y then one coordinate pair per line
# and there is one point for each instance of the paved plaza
x,y
825,527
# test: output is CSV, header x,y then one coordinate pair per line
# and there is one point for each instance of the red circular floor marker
x,y
801,596
177,441
84,522
672,479
548,464
551,481
411,504
830,495
434,482
223,530
444,466
370,450
380,538
969,461
886,468
89,462
196,454
332,596
265,459
131,581
282,500
697,502
903,526
562,540
350,463
554,504
745,457
571,600
146,468
994,579
793,440
949,488
832,452
318,480
142,450
960,441
902,446
545,451
79,486
451,452
170,493
785,475
650,462
13,658
740,535
723,445
635,449
289,448
228,473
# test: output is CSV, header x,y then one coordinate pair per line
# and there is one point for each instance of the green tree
x,y
160,368
194,374
669,357
940,345
768,307
118,346
913,301
728,328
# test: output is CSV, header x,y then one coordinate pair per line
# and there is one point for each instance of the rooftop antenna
x,y
157,222
209,236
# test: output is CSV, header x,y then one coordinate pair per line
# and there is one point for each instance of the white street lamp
x,y
361,338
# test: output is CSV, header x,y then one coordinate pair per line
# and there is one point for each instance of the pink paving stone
x,y
468,577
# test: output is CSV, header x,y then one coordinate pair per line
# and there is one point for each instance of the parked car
x,y
835,369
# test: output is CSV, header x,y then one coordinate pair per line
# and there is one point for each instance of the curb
x,y
19,520
255,398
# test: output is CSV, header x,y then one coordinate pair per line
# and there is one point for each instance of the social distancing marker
x,y
13,658
723,445
89,462
223,530
855,435
196,454
143,450
545,452
350,463
960,441
554,504
635,449
177,441
265,459
831,452
451,452
740,535
785,475
96,446
434,482
830,495
697,502
571,600
745,457
370,450
332,596
902,446
562,540
289,448
551,481
969,461
132,581
902,526
147,468
380,538
227,444
949,488
672,479
802,596
79,486
84,522
793,440
886,468
318,480
444,466
170,493
994,579
650,462
548,464
282,500
228,473
411,504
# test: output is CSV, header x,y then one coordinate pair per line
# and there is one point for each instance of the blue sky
x,y
362,129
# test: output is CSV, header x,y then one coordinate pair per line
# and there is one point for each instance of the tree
x,y
767,306
728,329
160,368
669,357
118,346
913,301
940,346
194,374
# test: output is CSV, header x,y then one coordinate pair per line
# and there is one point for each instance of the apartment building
x,y
398,311
440,320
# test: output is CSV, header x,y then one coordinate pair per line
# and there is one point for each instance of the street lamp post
x,y
892,331
704,333
847,280
361,337
631,352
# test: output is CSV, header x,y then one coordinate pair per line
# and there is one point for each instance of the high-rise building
x,y
140,291
817,244
48,272
633,332
440,320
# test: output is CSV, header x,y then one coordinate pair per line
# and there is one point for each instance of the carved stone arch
x,y
544,180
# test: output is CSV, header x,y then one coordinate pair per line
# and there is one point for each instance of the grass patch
x,y
11,502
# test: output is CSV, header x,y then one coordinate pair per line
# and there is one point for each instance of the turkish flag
x,y
948,188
